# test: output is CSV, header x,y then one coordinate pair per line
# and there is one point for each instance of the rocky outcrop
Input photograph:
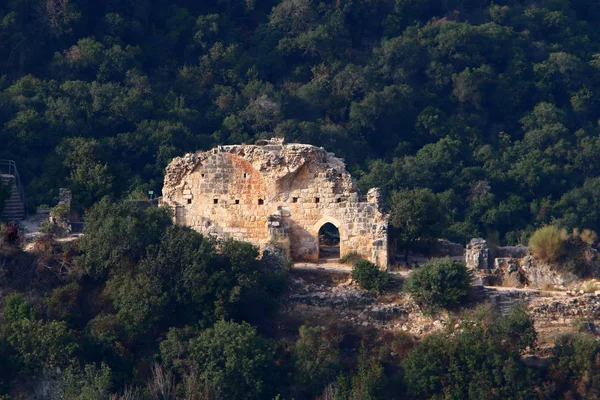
x,y
541,275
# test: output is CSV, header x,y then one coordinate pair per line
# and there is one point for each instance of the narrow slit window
x,y
245,175
215,201
317,199
261,202
294,199
202,175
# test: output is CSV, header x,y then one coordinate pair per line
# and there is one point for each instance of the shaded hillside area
x,y
492,106
140,309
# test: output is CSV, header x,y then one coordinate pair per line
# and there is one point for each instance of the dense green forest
x,y
477,118
492,106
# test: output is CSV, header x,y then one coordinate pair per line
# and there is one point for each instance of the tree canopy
x,y
492,106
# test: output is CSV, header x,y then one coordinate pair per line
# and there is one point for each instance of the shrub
x,y
370,277
442,283
548,243
351,258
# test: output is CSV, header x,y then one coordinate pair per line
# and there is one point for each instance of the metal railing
x,y
10,167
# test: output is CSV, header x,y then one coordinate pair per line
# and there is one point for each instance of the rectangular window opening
x,y
317,200
189,201
261,202
294,199
215,201
237,202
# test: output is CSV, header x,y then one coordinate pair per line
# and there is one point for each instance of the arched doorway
x,y
329,241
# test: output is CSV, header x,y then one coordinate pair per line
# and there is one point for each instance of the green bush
x,y
548,243
441,283
370,277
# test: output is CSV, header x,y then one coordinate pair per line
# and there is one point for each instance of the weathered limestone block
x,y
477,255
276,191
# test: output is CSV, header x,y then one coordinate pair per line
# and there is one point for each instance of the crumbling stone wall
x,y
276,192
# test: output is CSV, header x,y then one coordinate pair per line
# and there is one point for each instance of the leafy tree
x,y
230,360
441,283
89,178
87,383
119,233
206,283
140,301
416,214
38,343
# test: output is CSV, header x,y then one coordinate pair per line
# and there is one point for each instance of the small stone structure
x,y
280,193
478,255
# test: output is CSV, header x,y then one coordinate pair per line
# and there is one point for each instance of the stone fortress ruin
x,y
295,195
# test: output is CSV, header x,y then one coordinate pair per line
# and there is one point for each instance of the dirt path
x,y
332,265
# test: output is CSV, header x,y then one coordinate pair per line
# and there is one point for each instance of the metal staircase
x,y
14,206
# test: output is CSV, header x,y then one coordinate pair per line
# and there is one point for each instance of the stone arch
x,y
335,222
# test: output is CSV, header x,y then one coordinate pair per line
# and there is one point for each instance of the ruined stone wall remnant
x,y
276,192
477,255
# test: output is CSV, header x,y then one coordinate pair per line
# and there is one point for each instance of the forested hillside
x,y
493,106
